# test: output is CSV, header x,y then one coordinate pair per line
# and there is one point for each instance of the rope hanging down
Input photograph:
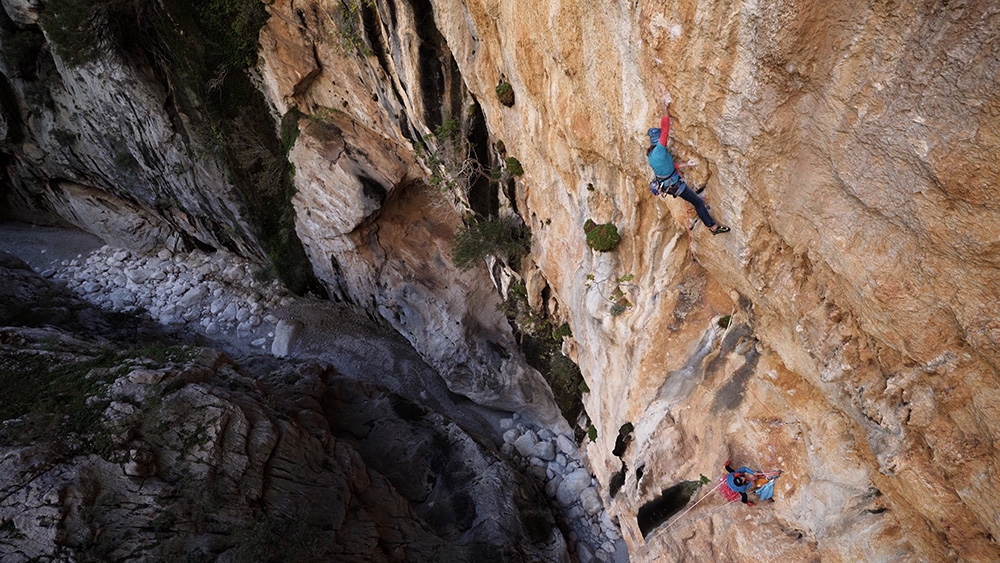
x,y
704,302
768,476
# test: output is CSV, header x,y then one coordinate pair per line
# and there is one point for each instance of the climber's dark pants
x,y
694,199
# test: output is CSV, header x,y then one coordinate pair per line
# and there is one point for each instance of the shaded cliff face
x,y
118,443
141,124
851,149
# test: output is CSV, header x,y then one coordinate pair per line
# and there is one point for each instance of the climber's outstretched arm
x,y
665,120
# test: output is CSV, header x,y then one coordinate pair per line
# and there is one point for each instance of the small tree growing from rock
x,y
603,237
505,93
506,238
618,299
514,166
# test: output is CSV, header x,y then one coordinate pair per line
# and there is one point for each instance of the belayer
x,y
668,181
739,482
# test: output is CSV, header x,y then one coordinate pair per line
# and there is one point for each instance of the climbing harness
x,y
665,184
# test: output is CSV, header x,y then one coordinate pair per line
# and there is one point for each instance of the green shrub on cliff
x,y
603,237
61,396
77,30
505,93
289,130
348,16
514,166
82,30
506,238
542,347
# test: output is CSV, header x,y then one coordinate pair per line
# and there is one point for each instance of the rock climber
x,y
668,181
739,481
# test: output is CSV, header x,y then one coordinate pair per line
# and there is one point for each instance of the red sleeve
x,y
664,129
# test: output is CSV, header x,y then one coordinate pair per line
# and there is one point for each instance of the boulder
x,y
286,336
566,445
526,443
590,499
192,297
544,450
572,486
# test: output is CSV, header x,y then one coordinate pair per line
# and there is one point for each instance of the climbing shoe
x,y
720,229
701,189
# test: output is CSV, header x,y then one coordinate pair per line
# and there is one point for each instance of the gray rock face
x,y
119,151
104,153
158,456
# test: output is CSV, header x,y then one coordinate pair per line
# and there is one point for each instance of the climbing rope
x,y
704,302
701,516
690,508
770,475
702,286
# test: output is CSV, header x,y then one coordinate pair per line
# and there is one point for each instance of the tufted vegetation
x,y
506,238
505,93
603,237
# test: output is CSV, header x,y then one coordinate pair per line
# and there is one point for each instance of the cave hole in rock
x,y
373,190
372,25
430,62
546,296
511,191
392,13
195,243
623,440
617,481
671,501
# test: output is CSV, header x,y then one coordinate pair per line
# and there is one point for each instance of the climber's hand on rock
x,y
667,99
692,162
